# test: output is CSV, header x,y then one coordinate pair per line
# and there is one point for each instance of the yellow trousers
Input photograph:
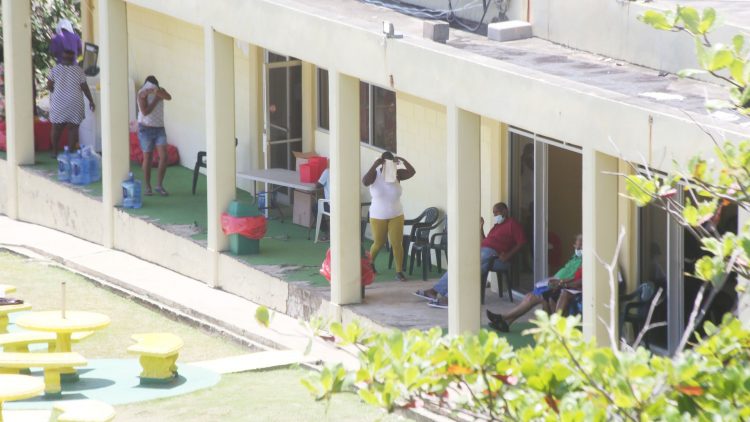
x,y
394,229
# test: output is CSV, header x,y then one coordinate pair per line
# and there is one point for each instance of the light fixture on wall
x,y
390,31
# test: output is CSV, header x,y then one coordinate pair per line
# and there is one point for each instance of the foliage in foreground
x,y
562,377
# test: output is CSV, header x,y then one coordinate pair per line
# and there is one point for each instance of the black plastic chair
x,y
428,217
439,244
200,161
421,247
501,274
635,306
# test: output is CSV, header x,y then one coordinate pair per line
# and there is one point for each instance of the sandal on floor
x,y
161,191
400,276
148,192
424,295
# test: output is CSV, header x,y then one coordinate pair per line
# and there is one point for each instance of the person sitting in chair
x,y
548,291
503,241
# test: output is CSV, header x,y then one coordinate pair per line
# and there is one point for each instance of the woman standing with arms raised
x,y
386,211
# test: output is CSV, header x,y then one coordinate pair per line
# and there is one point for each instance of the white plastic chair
x,y
321,211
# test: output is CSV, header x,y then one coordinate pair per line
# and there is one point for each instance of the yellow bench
x,y
51,363
82,411
7,288
19,342
158,356
7,309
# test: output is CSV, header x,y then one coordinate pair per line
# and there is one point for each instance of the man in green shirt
x,y
546,292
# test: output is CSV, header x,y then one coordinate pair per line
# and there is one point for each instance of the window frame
x,y
370,118
318,124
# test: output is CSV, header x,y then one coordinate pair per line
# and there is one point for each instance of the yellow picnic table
x,y
18,387
7,288
53,321
5,310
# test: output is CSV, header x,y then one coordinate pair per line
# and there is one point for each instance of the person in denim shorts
x,y
151,133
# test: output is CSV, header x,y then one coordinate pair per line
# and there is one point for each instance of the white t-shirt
x,y
156,117
386,198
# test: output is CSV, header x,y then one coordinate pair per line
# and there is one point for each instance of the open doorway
x,y
282,109
545,197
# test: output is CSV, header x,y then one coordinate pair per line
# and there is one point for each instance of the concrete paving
x,y
255,361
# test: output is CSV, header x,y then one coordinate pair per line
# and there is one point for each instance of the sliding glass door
x,y
545,197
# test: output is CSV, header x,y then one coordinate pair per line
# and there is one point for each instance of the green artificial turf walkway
x,y
285,244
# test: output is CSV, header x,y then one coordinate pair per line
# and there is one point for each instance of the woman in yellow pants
x,y
386,213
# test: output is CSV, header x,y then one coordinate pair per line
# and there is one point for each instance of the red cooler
x,y
317,164
305,174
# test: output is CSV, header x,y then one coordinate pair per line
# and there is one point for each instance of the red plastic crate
x,y
305,174
318,164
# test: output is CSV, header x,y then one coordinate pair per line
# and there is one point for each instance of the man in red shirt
x,y
503,241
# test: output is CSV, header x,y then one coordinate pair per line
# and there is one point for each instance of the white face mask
x,y
499,219
579,252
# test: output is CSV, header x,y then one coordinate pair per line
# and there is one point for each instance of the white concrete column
x,y
19,101
345,184
113,108
463,171
220,149
600,217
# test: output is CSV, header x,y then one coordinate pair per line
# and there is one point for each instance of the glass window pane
x,y
273,57
652,267
364,112
279,156
295,102
384,118
522,207
277,103
323,99
294,146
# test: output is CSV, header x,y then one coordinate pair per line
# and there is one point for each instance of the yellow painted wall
x,y
421,140
564,197
172,51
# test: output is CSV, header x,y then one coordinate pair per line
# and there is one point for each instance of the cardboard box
x,y
301,157
302,209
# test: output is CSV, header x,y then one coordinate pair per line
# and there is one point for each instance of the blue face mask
x,y
499,219
579,253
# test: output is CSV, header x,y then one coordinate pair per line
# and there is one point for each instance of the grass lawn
x,y
274,395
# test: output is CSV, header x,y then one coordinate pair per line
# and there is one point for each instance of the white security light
x,y
389,31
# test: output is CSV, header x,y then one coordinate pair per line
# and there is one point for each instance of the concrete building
x,y
540,123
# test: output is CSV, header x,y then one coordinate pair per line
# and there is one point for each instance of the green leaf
x,y
690,213
737,70
720,57
656,19
709,18
739,43
702,53
337,330
705,269
690,18
745,97
640,189
262,316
